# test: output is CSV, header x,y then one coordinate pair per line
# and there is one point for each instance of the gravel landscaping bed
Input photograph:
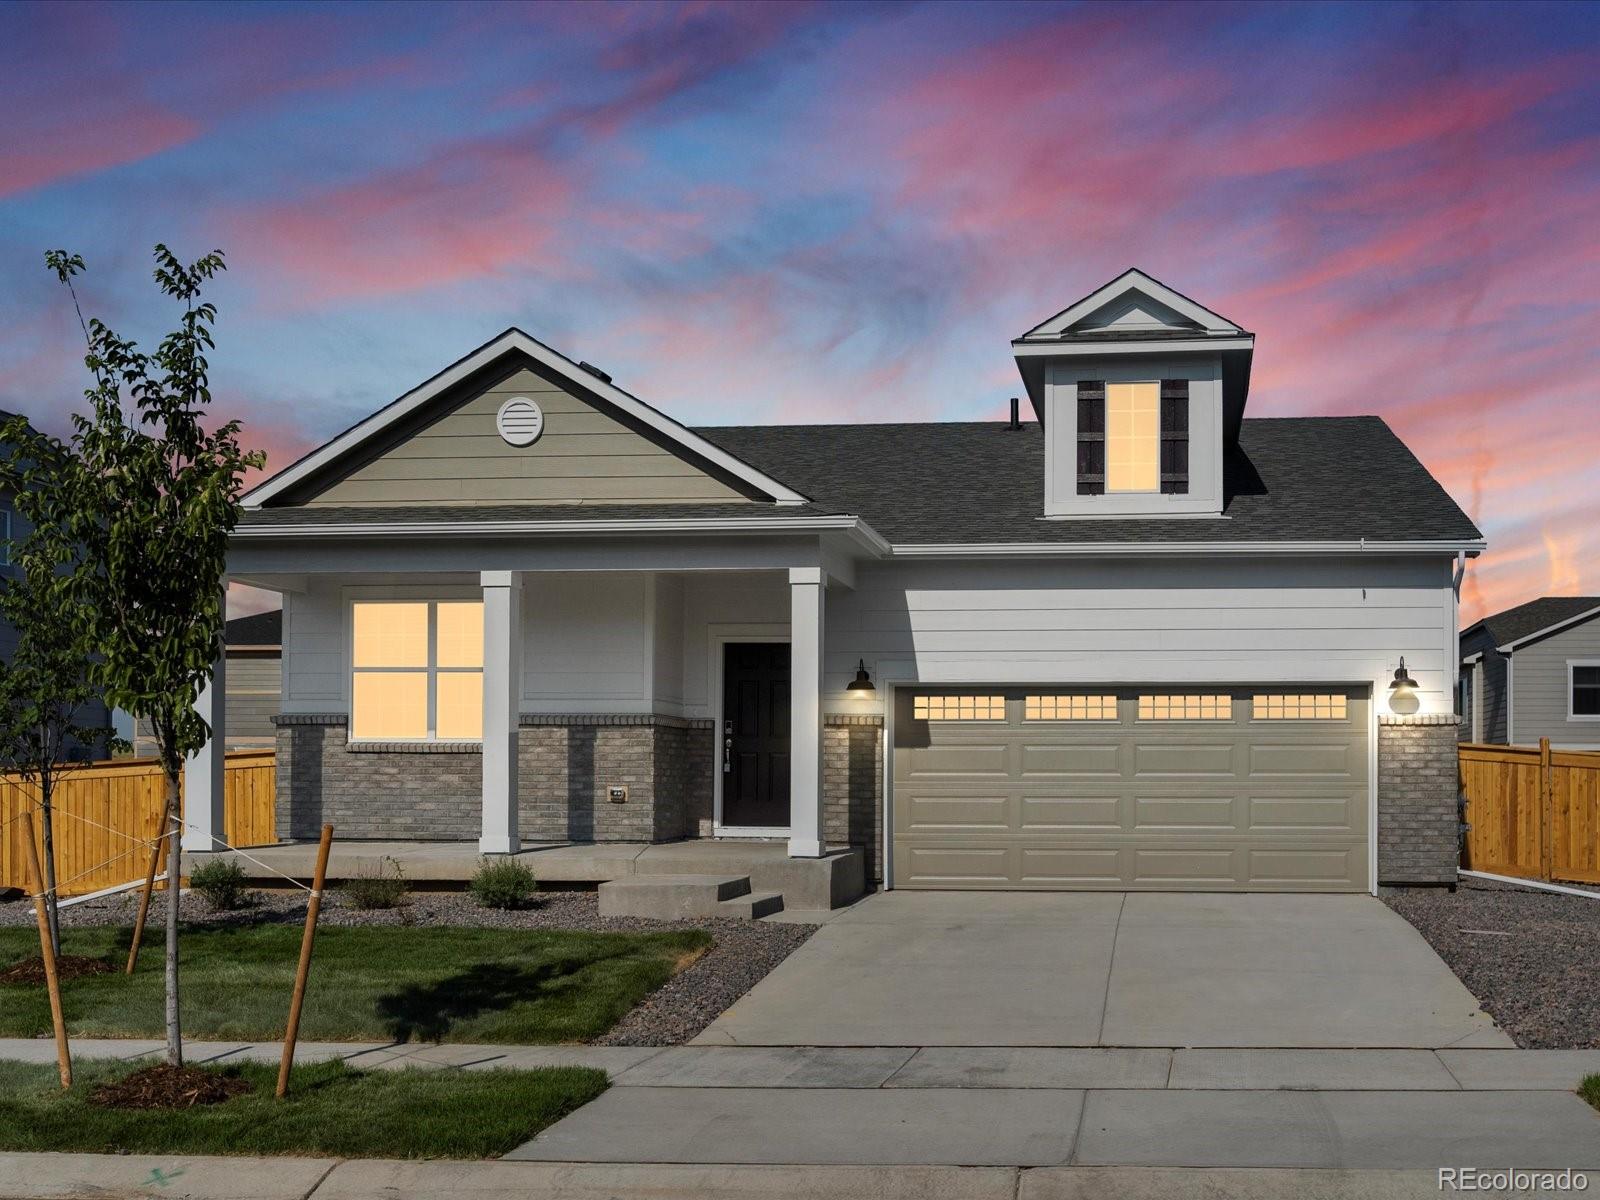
x,y
744,951
1531,958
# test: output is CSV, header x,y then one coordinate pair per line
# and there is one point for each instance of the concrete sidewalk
x,y
85,1176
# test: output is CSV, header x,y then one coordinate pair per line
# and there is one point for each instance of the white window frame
x,y
433,670
1579,662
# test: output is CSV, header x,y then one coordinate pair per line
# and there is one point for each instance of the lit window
x,y
1070,708
1295,707
1133,437
418,671
959,708
1186,708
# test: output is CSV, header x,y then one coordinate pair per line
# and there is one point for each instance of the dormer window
x,y
1133,437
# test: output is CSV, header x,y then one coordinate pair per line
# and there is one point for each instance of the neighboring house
x,y
251,680
1137,642
1533,672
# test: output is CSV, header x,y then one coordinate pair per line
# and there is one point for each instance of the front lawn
x,y
385,984
331,1109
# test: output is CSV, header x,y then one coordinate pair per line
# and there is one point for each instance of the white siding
x,y
751,604
1539,701
1181,621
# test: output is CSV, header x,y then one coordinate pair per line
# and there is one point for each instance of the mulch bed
x,y
166,1086
68,966
1531,958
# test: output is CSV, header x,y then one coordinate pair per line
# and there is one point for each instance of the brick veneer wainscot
x,y
1419,836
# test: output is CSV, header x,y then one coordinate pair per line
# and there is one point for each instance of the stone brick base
x,y
852,786
1418,785
566,767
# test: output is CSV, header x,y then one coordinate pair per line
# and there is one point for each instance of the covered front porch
x,y
581,703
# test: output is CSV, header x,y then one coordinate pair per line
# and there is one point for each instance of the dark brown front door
x,y
755,734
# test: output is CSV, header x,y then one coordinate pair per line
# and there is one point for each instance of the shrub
x,y
221,882
503,884
378,888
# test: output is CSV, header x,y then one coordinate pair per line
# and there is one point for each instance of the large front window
x,y
417,671
1133,437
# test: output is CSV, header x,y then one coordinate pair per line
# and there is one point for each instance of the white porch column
x,y
205,773
806,594
502,701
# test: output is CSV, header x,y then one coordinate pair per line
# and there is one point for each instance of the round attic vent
x,y
520,421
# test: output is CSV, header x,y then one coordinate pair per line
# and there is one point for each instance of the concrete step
x,y
670,897
748,908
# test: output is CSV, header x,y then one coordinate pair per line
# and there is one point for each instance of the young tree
x,y
47,724
160,496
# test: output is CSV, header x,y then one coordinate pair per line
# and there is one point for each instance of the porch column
x,y
205,773
806,586
502,700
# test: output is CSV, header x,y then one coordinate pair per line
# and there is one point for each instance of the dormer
x,y
1140,392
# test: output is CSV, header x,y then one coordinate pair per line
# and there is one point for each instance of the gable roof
x,y
1196,317
514,342
1296,480
1535,619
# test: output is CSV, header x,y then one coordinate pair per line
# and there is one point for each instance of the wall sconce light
x,y
861,685
1403,692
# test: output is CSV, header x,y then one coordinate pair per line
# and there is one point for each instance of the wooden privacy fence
x,y
1534,812
101,807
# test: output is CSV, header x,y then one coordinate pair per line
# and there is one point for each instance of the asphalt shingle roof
x,y
1289,479
1524,619
258,629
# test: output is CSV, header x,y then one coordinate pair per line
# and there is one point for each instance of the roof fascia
x,y
1549,629
1136,279
1181,549
515,340
1036,349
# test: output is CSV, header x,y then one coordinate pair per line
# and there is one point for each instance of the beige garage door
x,y
1160,788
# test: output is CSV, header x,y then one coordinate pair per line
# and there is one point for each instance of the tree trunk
x,y
174,870
52,901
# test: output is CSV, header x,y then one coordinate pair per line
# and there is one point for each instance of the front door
x,y
755,735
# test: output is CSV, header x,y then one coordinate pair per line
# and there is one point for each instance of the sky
x,y
805,212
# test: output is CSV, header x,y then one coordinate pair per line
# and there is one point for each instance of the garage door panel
x,y
1137,802
1339,759
944,814
1048,814
1185,812
1100,760
1188,759
957,758
1344,813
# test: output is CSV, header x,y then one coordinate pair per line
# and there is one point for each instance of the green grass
x,y
331,1109
453,985
1589,1089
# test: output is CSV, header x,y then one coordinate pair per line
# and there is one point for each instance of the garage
x,y
1152,788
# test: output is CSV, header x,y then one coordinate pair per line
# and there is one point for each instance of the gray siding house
x,y
1139,640
252,680
1533,672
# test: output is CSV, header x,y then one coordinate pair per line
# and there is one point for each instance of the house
x,y
1137,641
251,683
1533,672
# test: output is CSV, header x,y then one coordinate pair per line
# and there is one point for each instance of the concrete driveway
x,y
1107,969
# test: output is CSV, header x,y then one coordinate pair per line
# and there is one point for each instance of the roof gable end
x,y
441,395
1132,303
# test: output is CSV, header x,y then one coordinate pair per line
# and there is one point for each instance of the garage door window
x,y
1069,708
1291,707
1186,708
959,708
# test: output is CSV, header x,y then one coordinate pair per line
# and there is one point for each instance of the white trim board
x,y
514,340
1133,279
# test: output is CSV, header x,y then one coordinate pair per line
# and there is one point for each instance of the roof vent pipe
x,y
595,371
1016,420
